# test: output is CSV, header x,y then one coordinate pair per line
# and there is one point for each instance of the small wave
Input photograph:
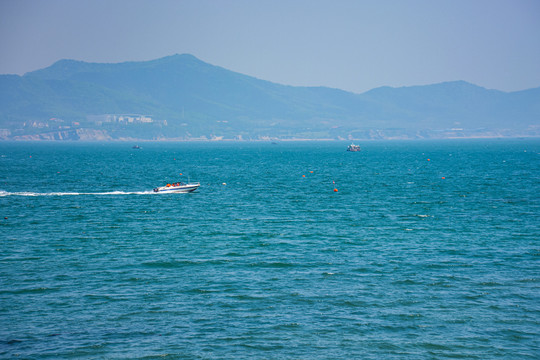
x,y
31,194
275,264
36,290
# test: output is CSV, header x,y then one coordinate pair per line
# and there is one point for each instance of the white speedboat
x,y
177,188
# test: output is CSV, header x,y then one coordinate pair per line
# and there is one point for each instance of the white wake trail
x,y
27,193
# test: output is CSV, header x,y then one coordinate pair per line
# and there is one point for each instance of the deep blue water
x,y
427,250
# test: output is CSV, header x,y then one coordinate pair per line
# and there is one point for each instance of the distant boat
x,y
137,147
354,148
177,188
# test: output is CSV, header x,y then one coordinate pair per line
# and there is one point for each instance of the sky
x,y
354,45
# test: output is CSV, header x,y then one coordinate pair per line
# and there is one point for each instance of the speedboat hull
x,y
182,188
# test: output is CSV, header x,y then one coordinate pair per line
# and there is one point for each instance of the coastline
x,y
271,140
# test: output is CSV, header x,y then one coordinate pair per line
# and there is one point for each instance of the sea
x,y
287,250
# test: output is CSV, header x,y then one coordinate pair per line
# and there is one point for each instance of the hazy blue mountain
x,y
196,98
455,104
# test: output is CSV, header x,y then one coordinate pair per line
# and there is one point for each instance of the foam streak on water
x,y
27,193
410,258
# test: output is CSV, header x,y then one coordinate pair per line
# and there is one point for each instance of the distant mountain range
x,y
182,97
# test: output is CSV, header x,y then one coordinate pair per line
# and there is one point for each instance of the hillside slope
x,y
196,98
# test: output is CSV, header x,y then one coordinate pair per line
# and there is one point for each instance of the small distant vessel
x,y
353,147
177,188
137,147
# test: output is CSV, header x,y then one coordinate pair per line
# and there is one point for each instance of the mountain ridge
x,y
189,98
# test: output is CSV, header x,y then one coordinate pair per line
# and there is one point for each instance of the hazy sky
x,y
353,45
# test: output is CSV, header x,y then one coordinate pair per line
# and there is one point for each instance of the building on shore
x,y
120,119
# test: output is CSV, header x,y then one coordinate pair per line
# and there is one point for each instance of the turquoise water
x,y
427,250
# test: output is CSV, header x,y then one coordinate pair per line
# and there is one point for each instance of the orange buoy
x,y
335,190
443,178
303,175
311,172
428,159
